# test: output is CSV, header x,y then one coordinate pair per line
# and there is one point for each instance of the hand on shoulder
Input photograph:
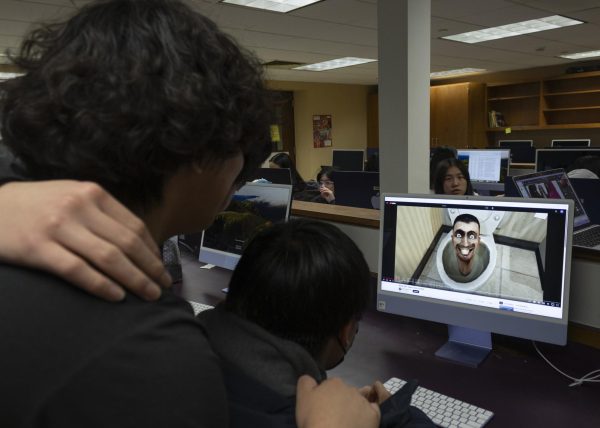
x,y
76,230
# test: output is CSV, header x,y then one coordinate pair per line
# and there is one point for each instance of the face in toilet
x,y
466,240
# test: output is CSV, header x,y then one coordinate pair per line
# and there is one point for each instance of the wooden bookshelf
x,y
566,102
518,102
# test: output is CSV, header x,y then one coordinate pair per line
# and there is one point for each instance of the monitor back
x,y
356,188
348,159
560,158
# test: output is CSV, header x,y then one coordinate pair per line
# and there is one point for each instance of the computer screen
x,y
253,207
571,143
356,188
485,164
509,144
479,265
348,159
273,175
560,158
521,151
551,184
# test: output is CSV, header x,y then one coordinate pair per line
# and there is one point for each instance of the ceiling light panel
x,y
334,63
515,29
7,75
282,6
457,72
581,55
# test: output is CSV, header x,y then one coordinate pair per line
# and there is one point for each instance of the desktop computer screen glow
x,y
487,264
254,207
486,165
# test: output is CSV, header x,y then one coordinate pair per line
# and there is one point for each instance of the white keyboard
x,y
199,307
444,411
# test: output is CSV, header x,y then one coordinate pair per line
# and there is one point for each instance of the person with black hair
x,y
587,166
283,160
326,184
149,100
439,154
294,305
452,178
321,190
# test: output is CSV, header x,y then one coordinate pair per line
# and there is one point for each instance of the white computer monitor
x,y
348,159
508,275
486,165
253,207
571,143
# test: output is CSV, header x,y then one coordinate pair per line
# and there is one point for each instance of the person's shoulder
x,y
156,352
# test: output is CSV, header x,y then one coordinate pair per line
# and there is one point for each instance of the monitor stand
x,y
466,346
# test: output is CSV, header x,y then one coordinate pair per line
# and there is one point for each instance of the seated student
x,y
283,160
326,184
320,190
439,154
294,306
585,167
452,178
151,138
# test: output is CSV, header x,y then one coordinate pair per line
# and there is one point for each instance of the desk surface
x,y
514,382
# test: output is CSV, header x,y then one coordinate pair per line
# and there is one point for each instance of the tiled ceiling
x,y
337,28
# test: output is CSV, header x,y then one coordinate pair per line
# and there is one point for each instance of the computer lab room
x,y
457,144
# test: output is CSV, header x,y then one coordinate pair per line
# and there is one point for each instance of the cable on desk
x,y
591,377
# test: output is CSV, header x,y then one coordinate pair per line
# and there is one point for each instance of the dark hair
x,y
442,169
328,171
466,218
589,162
283,160
438,154
302,281
128,91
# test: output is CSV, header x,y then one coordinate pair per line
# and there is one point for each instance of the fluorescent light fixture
x,y
581,55
282,6
457,72
515,29
6,76
334,63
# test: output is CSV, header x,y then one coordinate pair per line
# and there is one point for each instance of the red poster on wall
x,y
322,130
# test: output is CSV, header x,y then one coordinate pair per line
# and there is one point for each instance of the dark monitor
x,y
348,159
546,159
510,144
587,191
507,273
372,162
253,207
571,143
356,189
273,175
486,165
521,151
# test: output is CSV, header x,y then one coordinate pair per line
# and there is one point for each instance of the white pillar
x,y
404,63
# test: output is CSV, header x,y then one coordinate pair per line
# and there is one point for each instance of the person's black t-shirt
x,y
72,360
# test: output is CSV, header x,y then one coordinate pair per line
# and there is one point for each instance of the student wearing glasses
x,y
326,184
